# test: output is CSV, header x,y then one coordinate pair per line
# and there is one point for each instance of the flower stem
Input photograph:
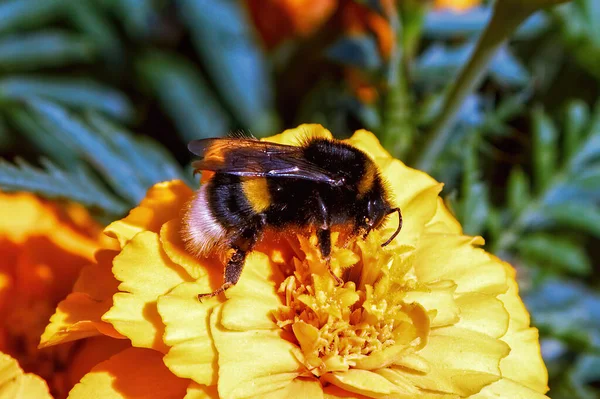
x,y
506,17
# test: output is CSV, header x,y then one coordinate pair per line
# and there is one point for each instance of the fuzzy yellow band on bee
x,y
257,193
367,180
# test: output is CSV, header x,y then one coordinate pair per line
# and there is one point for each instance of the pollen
x,y
366,323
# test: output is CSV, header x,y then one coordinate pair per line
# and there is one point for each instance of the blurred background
x,y
98,99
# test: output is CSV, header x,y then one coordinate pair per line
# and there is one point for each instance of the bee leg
x,y
233,270
324,238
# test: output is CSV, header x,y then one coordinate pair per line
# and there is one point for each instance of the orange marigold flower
x,y
429,316
43,246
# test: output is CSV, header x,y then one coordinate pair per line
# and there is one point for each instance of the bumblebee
x,y
320,185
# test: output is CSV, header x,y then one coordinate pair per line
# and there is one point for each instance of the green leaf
x,y
225,40
577,216
152,163
555,252
138,16
96,27
115,167
576,120
43,49
42,139
518,191
184,95
474,204
77,93
19,14
545,149
76,185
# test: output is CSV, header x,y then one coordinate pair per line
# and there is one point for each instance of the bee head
x,y
377,210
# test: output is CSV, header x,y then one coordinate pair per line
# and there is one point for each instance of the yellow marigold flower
x,y
457,5
44,246
429,316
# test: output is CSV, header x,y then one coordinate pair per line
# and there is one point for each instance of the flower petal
x,y
15,384
252,363
172,244
187,331
146,273
483,313
299,388
443,221
297,135
251,302
364,382
506,388
78,316
445,257
162,203
91,352
197,391
368,142
407,183
524,364
132,373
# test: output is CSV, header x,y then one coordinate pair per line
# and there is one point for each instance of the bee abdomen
x,y
201,231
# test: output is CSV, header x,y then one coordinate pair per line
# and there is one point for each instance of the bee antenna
x,y
397,229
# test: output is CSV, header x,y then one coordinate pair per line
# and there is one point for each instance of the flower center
x,y
349,326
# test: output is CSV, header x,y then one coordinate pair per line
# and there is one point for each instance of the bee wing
x,y
254,158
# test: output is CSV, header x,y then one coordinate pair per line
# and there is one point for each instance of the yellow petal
x,y
368,142
462,349
197,391
524,364
15,384
415,214
299,388
192,353
335,392
506,388
146,273
162,203
437,297
251,302
407,183
448,257
443,221
297,135
363,382
252,363
172,244
482,313
132,373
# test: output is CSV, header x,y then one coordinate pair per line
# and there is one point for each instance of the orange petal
x,y
252,363
15,384
146,273
192,353
91,352
132,373
78,316
163,202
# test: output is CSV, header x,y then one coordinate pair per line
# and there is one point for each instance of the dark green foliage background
x,y
521,160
